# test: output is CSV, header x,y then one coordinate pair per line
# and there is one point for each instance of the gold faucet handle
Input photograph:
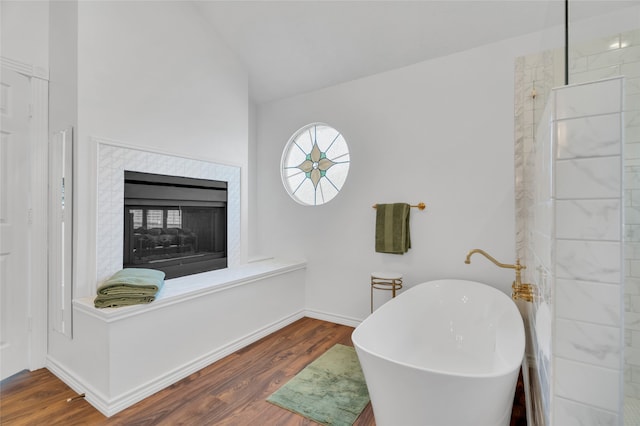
x,y
526,292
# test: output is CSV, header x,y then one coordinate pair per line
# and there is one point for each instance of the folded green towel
x,y
118,301
133,281
392,228
130,286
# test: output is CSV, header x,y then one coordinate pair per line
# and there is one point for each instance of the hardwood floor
x,y
232,391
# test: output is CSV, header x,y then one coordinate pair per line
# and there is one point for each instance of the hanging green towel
x,y
392,228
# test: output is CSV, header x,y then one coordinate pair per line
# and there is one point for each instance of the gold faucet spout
x,y
517,266
520,291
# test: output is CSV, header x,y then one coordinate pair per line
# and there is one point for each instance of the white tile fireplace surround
x,y
113,159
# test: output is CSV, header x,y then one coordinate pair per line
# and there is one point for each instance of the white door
x,y
14,214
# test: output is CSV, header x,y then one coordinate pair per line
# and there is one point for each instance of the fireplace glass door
x,y
178,236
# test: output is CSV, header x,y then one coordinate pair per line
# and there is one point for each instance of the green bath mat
x,y
331,390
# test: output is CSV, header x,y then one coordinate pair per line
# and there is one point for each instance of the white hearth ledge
x,y
119,356
177,290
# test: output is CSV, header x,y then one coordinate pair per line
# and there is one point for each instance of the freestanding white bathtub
x,y
444,352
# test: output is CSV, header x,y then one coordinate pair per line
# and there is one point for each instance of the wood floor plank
x,y
231,391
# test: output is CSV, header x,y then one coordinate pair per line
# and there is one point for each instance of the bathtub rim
x,y
493,374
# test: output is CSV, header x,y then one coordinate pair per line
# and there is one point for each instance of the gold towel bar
x,y
420,206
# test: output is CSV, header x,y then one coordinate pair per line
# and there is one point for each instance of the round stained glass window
x,y
315,164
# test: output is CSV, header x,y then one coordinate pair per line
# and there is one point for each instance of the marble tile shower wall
x,y
113,160
586,275
597,303
575,255
535,76
607,57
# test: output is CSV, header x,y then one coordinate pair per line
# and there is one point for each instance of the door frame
x,y
37,278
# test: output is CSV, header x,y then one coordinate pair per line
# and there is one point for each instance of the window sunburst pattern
x,y
315,164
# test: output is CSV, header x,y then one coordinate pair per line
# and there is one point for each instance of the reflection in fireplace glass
x,y
176,225
172,233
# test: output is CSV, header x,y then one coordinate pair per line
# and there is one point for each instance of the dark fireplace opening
x,y
174,224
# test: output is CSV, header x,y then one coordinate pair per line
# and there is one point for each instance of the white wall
x,y
25,33
63,52
441,132
151,74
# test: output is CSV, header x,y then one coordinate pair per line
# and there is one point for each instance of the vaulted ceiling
x,y
292,47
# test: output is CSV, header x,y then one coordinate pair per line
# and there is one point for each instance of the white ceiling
x,y
291,47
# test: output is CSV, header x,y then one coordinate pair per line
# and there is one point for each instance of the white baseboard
x,y
92,396
338,319
111,406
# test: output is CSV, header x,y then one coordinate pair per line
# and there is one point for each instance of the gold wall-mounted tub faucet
x,y
520,291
